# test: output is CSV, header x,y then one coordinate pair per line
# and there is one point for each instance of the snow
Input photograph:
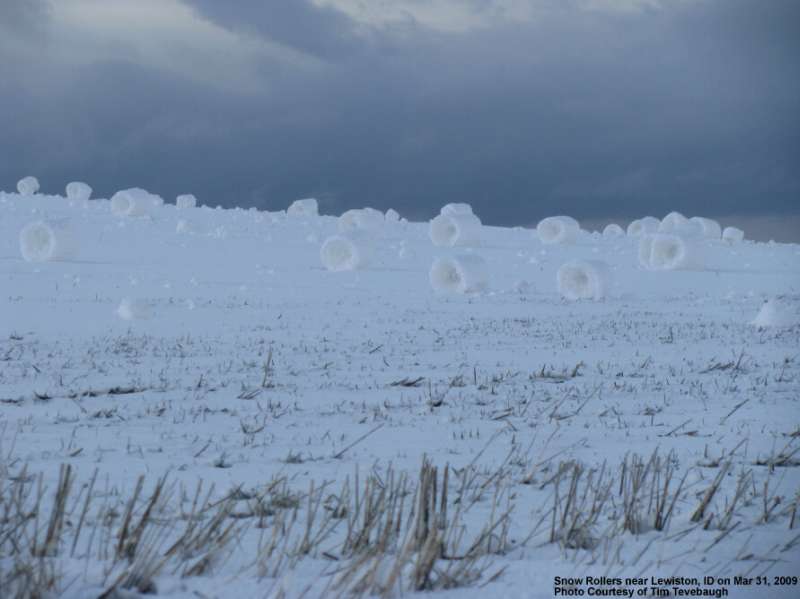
x,y
613,230
643,226
183,226
134,202
229,356
671,252
452,230
465,273
683,228
133,309
184,201
363,219
27,186
733,235
42,241
79,191
340,252
456,209
709,228
778,312
672,222
558,230
584,279
307,207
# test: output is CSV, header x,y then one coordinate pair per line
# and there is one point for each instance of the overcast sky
x,y
523,108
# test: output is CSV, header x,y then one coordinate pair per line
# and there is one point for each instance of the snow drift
x,y
733,235
670,252
306,207
27,186
185,201
341,252
466,273
77,190
133,202
449,230
557,229
583,279
643,226
45,241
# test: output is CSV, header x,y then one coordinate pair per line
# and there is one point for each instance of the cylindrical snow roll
x,y
645,247
456,208
709,228
305,207
676,223
340,253
733,235
584,279
453,230
132,202
466,273
557,229
77,190
613,230
347,221
672,252
364,219
46,241
186,200
643,226
372,215
684,228
27,186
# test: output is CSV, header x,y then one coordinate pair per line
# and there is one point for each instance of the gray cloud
x,y
22,17
692,107
321,31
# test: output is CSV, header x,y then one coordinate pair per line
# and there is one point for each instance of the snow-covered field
x,y
192,404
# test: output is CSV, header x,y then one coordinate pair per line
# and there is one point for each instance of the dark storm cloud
x,y
692,107
323,32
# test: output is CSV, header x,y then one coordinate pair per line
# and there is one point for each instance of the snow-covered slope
x,y
213,345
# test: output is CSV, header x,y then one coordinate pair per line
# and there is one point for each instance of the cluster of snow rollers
x,y
352,248
456,226
52,240
673,243
577,279
677,242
